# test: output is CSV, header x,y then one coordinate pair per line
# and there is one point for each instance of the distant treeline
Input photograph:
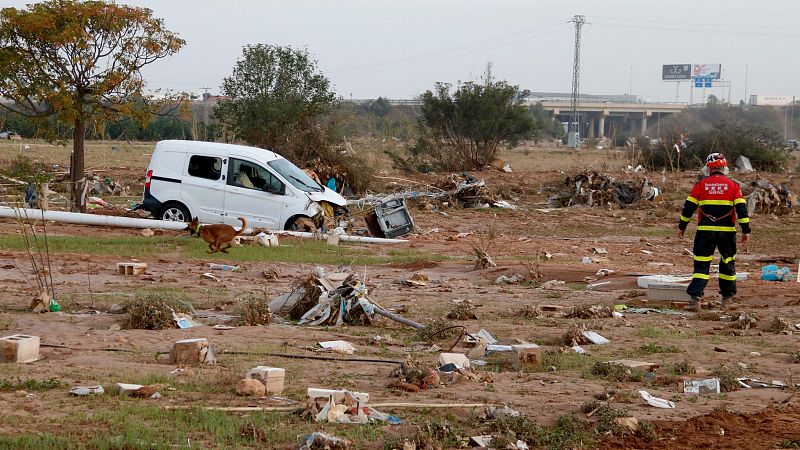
x,y
377,119
159,128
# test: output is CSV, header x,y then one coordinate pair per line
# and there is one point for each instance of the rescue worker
x,y
720,205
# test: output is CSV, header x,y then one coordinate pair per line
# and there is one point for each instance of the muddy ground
x,y
83,345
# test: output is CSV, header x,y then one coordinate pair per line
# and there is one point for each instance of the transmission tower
x,y
573,138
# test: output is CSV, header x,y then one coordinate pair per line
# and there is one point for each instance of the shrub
x,y
152,312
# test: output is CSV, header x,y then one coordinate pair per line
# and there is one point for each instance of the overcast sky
x,y
398,49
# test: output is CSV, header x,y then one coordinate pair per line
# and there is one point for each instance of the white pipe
x,y
89,219
343,237
132,222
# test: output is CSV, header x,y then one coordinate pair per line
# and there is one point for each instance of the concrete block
x,y
525,354
190,351
131,268
668,291
458,359
272,377
19,348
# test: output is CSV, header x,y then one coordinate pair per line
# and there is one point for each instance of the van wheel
x,y
174,212
301,223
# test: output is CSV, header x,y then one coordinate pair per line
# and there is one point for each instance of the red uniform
x,y
720,206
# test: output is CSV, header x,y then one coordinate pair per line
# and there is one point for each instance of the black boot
x,y
694,304
725,301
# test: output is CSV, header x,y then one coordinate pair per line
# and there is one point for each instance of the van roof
x,y
260,153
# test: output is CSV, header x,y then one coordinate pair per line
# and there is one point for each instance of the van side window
x,y
252,176
208,167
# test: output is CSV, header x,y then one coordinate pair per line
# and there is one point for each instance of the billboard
x,y
713,71
676,72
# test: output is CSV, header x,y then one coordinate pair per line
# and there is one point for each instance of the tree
x,y
80,62
463,130
276,98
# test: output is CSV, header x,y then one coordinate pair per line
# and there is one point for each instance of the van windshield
x,y
295,176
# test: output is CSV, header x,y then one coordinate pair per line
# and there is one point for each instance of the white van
x,y
219,182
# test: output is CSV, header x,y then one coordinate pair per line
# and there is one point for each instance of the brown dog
x,y
219,236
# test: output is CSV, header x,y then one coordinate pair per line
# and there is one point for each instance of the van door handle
x,y
223,178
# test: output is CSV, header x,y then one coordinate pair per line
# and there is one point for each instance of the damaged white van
x,y
219,182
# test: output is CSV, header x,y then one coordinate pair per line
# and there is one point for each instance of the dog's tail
x,y
244,226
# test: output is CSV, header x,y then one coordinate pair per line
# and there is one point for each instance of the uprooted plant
x,y
480,249
152,312
38,250
255,311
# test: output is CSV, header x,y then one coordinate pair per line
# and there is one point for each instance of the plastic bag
x,y
773,273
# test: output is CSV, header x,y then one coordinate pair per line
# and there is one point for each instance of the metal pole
x,y
730,86
746,98
630,82
574,125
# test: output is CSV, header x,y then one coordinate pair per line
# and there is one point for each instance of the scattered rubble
x,y
590,312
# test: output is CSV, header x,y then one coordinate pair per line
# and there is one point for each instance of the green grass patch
x,y
563,361
292,251
659,333
30,384
130,424
649,349
615,372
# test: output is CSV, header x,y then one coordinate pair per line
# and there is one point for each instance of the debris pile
x,y
466,190
333,299
342,406
763,197
592,188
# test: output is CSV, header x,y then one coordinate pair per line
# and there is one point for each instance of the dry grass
x,y
153,312
462,311
255,311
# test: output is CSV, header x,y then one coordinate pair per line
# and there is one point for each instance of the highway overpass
x,y
607,118
601,115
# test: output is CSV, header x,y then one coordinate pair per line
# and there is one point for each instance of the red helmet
x,y
716,161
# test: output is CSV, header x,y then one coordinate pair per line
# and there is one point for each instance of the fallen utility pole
x,y
133,222
400,319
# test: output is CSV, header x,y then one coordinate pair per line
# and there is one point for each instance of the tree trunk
x,y
76,168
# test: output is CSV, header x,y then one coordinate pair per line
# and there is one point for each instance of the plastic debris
x,y
338,347
594,338
322,441
657,402
214,266
87,390
771,272
701,387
